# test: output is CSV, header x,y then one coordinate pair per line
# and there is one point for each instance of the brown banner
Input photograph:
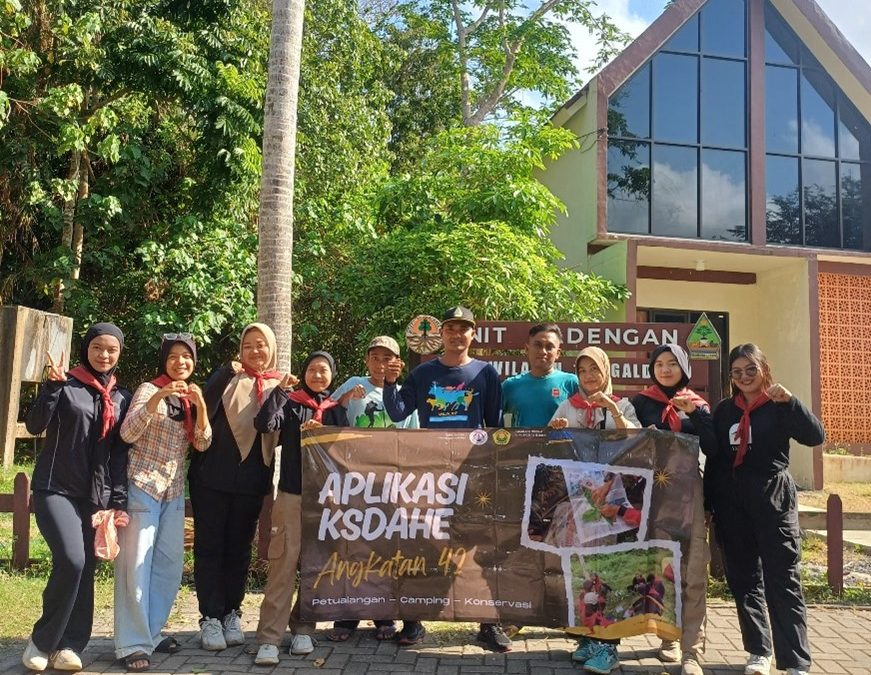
x,y
528,526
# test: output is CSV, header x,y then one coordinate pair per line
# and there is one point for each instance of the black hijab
x,y
174,408
683,362
320,396
96,331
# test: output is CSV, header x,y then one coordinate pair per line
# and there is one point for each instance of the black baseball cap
x,y
459,313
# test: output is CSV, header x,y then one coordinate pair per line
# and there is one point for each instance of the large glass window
x,y
724,195
629,186
676,98
690,100
675,191
818,150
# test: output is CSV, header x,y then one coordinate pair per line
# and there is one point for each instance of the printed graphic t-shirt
x,y
369,411
532,400
458,397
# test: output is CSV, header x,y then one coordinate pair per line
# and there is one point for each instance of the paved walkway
x,y
840,638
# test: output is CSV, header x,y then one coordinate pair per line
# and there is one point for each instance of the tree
x,y
470,225
275,254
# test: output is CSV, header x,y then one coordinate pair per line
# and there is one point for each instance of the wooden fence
x,y
20,506
832,521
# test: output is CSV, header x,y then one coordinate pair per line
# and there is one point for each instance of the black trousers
x,y
224,527
756,519
68,598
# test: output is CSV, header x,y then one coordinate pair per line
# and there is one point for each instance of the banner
x,y
575,528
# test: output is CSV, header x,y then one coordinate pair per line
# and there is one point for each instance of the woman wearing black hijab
x,y
671,406
291,413
82,469
167,415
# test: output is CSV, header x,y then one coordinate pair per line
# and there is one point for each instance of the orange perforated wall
x,y
845,357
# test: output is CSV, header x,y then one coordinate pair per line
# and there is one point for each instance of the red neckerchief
x,y
259,378
669,413
85,376
302,397
743,432
579,401
163,380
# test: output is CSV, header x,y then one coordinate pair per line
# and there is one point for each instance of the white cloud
x,y
621,15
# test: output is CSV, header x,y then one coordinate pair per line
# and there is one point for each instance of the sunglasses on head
x,y
178,336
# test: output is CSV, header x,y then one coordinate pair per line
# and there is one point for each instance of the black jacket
x,y
771,427
649,412
74,461
220,467
279,412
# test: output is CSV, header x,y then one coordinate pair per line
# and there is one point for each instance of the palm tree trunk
x,y
275,257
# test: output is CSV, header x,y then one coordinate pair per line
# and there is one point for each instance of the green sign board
x,y
704,342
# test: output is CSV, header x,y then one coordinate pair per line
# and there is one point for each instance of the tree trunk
x,y
275,256
78,228
66,236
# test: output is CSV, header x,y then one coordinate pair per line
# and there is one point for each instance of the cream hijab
x,y
603,363
241,405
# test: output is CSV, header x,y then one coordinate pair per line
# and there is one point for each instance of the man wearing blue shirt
x,y
531,398
454,391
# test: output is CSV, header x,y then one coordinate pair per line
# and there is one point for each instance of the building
x,y
726,167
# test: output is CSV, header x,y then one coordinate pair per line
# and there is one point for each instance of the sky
x,y
633,16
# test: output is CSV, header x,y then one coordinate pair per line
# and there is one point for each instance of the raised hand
x,y
779,394
195,396
393,370
359,391
684,404
55,370
604,401
288,382
558,423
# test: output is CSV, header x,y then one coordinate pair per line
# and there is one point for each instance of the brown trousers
x,y
284,546
694,575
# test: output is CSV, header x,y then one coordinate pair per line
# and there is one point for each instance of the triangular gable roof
x,y
617,71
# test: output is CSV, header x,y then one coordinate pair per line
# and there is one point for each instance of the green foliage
x,y
470,225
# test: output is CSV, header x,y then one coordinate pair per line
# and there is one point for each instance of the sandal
x,y
385,632
168,645
339,634
140,658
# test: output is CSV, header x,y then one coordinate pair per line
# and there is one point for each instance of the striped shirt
x,y
159,446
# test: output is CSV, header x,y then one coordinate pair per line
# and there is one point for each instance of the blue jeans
x,y
147,571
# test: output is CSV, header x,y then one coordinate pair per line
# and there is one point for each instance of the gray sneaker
x,y
232,625
212,635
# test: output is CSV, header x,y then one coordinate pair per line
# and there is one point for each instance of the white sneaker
x,y
267,655
212,635
33,659
691,666
232,625
669,651
301,644
796,671
757,665
65,659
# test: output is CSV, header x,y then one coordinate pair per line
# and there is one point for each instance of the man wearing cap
x,y
363,400
454,391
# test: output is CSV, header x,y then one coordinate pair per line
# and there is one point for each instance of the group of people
x,y
108,451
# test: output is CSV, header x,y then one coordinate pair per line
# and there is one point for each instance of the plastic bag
x,y
106,524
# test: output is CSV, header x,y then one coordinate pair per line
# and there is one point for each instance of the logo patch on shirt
x,y
555,392
478,437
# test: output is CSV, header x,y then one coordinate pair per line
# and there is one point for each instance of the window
x,y
677,133
818,150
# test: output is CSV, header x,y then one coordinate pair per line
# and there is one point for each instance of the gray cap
x,y
384,341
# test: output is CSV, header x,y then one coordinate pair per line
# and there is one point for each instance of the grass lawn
x,y
23,592
856,497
